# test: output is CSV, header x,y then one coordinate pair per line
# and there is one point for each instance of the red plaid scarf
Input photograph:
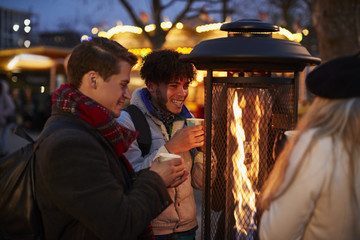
x,y
70,100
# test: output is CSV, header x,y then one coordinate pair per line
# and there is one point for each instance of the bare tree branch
x,y
169,4
182,14
132,14
158,37
134,17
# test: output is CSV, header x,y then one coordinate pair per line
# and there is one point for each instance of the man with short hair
x,y
85,187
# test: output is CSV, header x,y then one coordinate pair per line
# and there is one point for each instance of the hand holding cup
x,y
171,169
187,138
194,122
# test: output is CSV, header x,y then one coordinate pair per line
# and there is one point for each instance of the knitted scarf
x,y
71,100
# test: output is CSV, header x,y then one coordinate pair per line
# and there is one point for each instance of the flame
x,y
243,191
255,138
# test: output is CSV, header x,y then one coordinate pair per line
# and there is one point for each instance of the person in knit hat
x,y
313,192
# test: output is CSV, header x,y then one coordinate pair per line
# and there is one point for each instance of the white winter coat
x,y
317,204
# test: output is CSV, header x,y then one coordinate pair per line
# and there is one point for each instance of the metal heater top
x,y
250,47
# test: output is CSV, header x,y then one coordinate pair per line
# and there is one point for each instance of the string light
x,y
283,33
150,28
179,25
208,27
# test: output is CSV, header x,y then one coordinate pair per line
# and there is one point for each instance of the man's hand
x,y
186,139
172,172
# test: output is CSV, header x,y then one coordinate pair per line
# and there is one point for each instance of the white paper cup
x,y
194,121
167,156
290,134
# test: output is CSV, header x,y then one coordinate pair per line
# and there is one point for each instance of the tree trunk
x,y
158,39
337,24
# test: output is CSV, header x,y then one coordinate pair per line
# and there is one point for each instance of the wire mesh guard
x,y
247,120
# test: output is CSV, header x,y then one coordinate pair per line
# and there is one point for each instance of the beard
x,y
161,101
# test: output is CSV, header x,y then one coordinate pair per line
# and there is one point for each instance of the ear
x,y
151,87
92,78
88,82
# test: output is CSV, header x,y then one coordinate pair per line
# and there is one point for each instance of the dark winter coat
x,y
85,192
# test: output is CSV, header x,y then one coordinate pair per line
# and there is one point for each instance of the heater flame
x,y
243,191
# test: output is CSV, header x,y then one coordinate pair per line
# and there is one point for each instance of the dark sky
x,y
81,15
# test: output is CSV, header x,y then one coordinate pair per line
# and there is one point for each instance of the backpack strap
x,y
142,126
53,127
19,131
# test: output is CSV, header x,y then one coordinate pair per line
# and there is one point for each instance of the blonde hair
x,y
337,118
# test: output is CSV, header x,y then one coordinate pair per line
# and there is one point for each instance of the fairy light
x,y
208,27
150,28
166,25
94,30
179,25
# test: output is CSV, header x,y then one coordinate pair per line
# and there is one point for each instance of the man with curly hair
x,y
167,82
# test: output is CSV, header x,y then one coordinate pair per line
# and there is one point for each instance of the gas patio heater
x,y
251,98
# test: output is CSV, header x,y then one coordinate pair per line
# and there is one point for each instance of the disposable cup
x,y
290,134
167,156
194,121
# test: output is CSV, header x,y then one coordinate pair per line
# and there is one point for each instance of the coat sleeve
x,y
81,183
289,214
134,154
197,171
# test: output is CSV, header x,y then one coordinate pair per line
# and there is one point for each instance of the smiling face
x,y
113,92
170,97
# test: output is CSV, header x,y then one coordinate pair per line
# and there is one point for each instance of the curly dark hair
x,y
163,66
98,54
